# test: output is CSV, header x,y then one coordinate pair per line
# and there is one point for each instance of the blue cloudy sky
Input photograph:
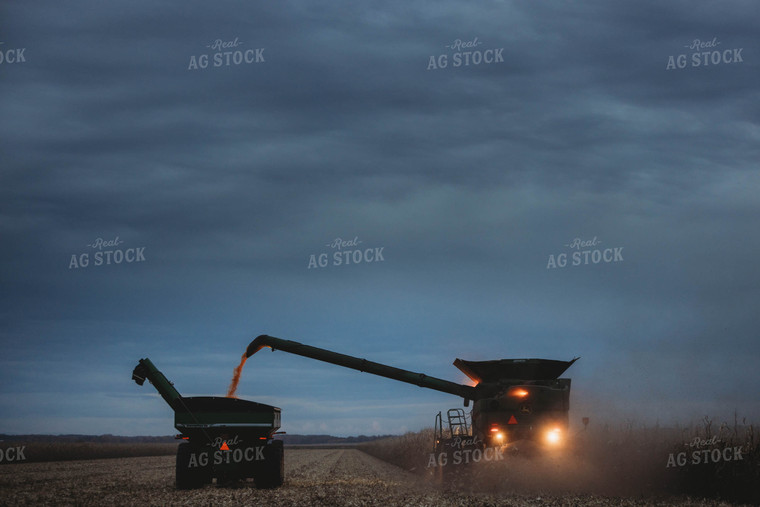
x,y
469,178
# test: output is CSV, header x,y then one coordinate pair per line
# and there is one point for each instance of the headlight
x,y
554,436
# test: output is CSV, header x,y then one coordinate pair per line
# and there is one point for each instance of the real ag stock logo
x,y
13,55
220,57
109,256
463,451
713,55
11,454
345,252
714,453
583,254
465,55
223,454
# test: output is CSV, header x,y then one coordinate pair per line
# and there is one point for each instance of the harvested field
x,y
313,477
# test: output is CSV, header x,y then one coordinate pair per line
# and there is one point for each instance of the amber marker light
x,y
519,392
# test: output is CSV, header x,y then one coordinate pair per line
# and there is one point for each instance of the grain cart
x,y
225,438
514,399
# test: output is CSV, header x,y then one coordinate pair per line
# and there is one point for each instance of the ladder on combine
x,y
458,426
458,422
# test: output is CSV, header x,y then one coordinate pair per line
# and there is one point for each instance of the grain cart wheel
x,y
273,472
189,477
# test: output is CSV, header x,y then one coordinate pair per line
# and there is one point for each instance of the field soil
x,y
340,477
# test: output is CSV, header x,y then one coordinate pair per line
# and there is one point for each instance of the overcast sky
x,y
465,182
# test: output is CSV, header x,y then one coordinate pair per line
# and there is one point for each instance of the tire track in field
x,y
300,465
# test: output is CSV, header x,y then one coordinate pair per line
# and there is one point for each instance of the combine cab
x,y
225,438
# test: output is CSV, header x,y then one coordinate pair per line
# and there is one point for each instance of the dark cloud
x,y
468,178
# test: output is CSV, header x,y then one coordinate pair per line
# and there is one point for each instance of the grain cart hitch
x,y
224,438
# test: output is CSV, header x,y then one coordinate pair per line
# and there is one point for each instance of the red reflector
x,y
494,429
512,420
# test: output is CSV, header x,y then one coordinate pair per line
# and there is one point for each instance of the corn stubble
x,y
340,477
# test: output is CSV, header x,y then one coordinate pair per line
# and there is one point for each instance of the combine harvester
x,y
225,438
513,399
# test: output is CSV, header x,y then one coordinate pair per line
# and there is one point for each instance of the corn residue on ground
x,y
339,477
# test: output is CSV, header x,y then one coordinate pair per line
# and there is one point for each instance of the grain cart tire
x,y
273,473
187,477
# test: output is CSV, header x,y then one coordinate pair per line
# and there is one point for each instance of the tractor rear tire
x,y
188,478
272,474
